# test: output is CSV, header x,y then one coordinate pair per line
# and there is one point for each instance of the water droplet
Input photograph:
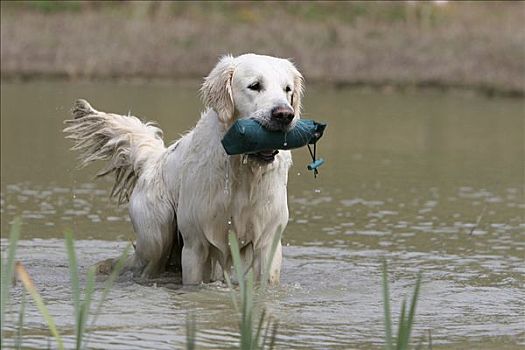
x,y
317,190
285,144
227,182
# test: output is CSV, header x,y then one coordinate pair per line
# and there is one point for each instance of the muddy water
x,y
406,178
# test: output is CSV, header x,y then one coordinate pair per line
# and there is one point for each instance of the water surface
x,y
406,178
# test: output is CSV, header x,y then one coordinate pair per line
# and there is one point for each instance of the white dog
x,y
192,189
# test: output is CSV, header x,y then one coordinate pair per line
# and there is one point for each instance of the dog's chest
x,y
258,204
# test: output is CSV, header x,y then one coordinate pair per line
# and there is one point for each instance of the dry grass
x,y
467,44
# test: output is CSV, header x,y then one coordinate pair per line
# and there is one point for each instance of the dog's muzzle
x,y
282,114
280,118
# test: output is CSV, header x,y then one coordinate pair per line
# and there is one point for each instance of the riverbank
x,y
459,45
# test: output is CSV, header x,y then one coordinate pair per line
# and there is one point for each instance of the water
x,y
406,178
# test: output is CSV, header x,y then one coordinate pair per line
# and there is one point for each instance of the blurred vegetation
x,y
244,11
348,12
463,44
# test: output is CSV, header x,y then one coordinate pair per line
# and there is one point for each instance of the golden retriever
x,y
184,199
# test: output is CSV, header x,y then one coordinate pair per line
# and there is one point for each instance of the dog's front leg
x,y
195,263
261,263
274,275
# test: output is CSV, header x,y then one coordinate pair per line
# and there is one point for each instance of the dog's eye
x,y
255,86
287,88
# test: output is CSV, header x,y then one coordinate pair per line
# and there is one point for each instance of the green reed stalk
x,y
22,274
251,337
82,306
7,268
406,321
81,303
386,309
190,332
20,325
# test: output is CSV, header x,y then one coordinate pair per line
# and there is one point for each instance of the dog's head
x,y
265,88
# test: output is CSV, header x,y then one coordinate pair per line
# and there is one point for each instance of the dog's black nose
x,y
283,114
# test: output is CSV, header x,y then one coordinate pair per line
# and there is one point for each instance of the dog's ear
x,y
216,91
298,89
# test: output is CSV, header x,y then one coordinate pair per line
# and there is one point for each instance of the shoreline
x,y
382,86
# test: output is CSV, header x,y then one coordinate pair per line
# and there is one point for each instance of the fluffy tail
x,y
129,145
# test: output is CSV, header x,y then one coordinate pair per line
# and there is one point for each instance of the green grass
x,y
257,330
254,11
30,287
250,328
20,325
406,321
82,299
7,269
251,332
82,303
47,6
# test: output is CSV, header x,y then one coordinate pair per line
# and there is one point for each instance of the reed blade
x,y
22,274
386,308
7,269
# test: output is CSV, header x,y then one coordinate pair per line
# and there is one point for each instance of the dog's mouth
x,y
274,125
264,156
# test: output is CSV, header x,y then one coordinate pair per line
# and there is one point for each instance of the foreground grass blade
x,y
251,338
406,319
190,332
107,286
236,257
85,306
245,281
386,307
20,326
401,331
260,325
265,336
75,285
7,270
110,281
273,337
247,340
412,311
232,292
31,289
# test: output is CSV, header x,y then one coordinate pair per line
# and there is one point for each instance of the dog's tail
x,y
129,145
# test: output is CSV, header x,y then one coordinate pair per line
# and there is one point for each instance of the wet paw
x,y
104,267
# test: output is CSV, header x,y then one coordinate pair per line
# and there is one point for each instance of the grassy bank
x,y
468,44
